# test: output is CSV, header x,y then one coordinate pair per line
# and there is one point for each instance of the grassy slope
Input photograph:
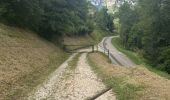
x,y
130,83
136,58
25,61
94,38
113,77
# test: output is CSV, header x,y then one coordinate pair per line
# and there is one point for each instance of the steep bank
x,y
136,83
25,61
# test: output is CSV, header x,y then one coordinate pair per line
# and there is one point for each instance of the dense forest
x,y
49,18
53,18
145,26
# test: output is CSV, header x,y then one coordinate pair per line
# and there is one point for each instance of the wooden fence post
x,y
92,48
97,48
108,53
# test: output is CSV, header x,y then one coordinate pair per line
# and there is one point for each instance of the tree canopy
x,y
145,25
49,18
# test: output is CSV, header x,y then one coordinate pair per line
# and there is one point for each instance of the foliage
x,y
104,20
165,59
145,25
50,18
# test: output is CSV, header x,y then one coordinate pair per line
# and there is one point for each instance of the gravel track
x,y
64,84
118,56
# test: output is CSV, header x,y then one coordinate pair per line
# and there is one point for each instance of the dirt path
x,y
80,84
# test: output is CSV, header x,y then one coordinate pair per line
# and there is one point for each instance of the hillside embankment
x,y
25,61
136,83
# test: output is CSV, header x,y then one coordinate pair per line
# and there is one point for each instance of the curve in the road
x,y
115,55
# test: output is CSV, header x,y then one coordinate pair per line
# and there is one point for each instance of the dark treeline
x,y
104,20
145,25
49,18
54,18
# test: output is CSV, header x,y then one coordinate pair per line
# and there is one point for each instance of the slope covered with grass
x,y
130,83
25,61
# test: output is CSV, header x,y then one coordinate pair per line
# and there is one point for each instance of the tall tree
x,y
105,20
145,24
50,18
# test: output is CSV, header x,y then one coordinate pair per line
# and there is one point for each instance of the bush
x,y
49,18
167,66
165,59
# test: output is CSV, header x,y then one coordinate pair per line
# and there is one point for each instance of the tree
x,y
50,18
146,25
105,20
127,17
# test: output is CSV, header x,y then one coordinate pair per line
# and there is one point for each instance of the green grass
x,y
136,58
123,90
73,63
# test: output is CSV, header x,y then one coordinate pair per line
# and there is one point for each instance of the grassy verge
x,y
136,58
123,89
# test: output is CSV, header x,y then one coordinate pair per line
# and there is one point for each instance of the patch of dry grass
x,y
149,85
25,61
78,40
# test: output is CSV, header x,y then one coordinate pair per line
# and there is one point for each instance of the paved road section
x,y
118,57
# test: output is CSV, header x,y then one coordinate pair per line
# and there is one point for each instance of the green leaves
x,y
47,17
146,25
105,20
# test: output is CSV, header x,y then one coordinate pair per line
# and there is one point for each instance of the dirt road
x,y
117,56
64,84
